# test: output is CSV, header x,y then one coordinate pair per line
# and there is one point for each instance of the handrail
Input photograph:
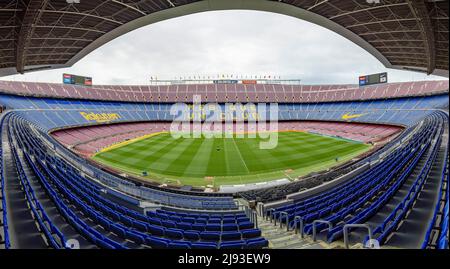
x,y
260,209
330,226
355,225
270,215
255,219
301,221
284,213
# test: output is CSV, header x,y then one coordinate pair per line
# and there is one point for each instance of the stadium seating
x,y
438,230
4,235
159,229
392,221
108,210
54,114
227,93
280,192
53,234
358,199
88,140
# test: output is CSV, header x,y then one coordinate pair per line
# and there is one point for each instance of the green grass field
x,y
224,161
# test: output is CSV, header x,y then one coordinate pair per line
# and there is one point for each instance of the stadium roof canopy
x,y
47,34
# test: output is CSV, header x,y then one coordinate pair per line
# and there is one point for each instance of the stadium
x,y
255,163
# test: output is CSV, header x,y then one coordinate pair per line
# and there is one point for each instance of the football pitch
x,y
227,161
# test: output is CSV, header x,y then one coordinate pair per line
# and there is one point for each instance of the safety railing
x,y
314,224
347,227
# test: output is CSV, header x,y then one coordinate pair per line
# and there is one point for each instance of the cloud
x,y
227,42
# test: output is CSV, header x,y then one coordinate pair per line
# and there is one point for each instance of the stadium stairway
x,y
279,238
420,211
47,204
412,229
22,228
409,180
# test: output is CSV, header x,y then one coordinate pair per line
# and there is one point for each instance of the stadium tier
x,y
359,200
50,114
227,92
398,189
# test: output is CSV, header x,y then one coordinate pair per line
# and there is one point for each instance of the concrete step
x,y
279,238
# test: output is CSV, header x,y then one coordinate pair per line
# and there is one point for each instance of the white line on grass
x,y
240,155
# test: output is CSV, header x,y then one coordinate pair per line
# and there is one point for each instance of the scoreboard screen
x,y
373,79
77,80
225,81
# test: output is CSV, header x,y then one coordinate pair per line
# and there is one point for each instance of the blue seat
x,y
214,220
175,218
257,243
141,226
231,227
118,230
115,216
151,214
210,236
198,227
104,222
182,215
203,245
162,216
121,209
245,225
311,217
174,233
184,225
213,227
192,235
168,224
155,230
154,221
179,245
324,212
134,236
137,216
158,243
226,236
232,244
240,215
201,221
251,233
230,220
188,219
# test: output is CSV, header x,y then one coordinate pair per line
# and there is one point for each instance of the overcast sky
x,y
227,42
